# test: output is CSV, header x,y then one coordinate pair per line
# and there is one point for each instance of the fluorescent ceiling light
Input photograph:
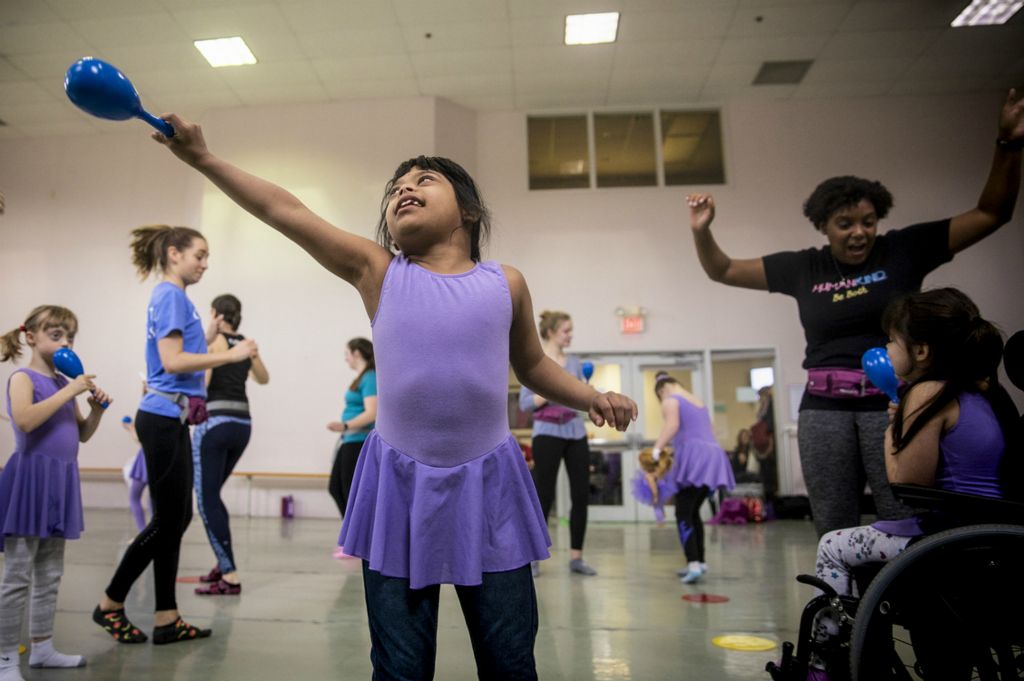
x,y
987,12
225,51
591,29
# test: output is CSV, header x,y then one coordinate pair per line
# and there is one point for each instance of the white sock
x,y
703,567
9,670
694,566
45,655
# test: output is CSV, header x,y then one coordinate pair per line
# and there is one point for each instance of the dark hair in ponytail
x,y
364,348
230,308
661,379
964,351
150,243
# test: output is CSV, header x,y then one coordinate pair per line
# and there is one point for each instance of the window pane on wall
x,y
559,155
692,147
624,145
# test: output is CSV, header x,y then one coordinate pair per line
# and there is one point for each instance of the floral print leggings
x,y
841,550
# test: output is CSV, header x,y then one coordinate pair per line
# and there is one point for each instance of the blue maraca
x,y
588,370
68,363
879,370
99,88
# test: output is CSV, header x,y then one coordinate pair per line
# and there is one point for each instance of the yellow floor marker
x,y
21,649
744,642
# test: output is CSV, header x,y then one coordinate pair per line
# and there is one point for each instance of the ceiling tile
x,y
946,68
864,44
485,102
653,56
372,88
468,86
388,67
10,71
57,129
539,84
855,71
72,10
469,62
281,75
307,16
560,100
1007,39
696,22
157,84
885,15
770,48
772,20
564,59
133,61
47,64
436,12
193,105
457,36
352,42
46,112
299,93
143,29
23,92
17,12
837,90
35,38
944,86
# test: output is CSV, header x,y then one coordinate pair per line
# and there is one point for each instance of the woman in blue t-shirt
x,y
176,361
841,291
356,422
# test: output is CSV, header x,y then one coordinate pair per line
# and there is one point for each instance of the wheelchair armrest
x,y
970,507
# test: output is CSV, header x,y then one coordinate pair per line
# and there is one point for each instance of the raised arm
x,y
541,374
748,273
999,196
358,261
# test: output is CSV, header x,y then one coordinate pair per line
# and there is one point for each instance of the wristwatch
x,y
1010,145
344,427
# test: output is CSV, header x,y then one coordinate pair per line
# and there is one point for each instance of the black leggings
x,y
691,527
168,452
342,471
548,453
220,448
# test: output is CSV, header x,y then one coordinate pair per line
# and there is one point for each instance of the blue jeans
x,y
501,615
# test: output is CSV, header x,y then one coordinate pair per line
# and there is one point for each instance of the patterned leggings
x,y
840,551
32,565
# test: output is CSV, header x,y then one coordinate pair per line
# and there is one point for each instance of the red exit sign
x,y
631,323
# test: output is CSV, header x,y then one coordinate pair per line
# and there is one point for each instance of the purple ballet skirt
x,y
642,493
699,460
443,525
441,492
40,491
138,469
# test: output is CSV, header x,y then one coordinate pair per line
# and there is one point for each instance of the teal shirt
x,y
355,404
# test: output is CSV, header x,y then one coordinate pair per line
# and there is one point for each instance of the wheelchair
x,y
950,607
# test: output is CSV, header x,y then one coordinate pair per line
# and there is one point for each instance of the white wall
x,y
72,200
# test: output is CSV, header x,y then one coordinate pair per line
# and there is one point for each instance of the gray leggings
x,y
36,563
839,451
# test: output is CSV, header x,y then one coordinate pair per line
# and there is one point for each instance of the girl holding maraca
x,y
40,492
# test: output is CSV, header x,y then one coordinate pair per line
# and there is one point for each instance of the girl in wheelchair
x,y
950,430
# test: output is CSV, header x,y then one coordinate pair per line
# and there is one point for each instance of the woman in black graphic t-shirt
x,y
841,290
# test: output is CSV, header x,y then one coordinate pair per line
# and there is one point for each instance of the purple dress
x,y
441,493
698,458
40,493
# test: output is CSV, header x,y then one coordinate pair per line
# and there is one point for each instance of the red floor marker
x,y
188,580
705,598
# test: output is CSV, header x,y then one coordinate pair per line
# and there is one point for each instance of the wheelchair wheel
x,y
948,608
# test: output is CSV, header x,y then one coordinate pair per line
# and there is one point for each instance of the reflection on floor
x,y
302,615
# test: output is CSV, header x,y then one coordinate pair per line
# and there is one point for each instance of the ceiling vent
x,y
782,72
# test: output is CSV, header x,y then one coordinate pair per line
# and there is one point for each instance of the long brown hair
x,y
364,348
41,318
150,243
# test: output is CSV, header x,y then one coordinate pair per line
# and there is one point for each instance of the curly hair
x,y
837,193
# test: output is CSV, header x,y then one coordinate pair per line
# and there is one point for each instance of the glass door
x,y
613,455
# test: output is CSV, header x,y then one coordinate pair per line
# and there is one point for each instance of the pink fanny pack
x,y
840,383
554,413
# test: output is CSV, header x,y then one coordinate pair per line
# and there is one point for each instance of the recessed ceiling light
x,y
987,13
226,51
592,29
